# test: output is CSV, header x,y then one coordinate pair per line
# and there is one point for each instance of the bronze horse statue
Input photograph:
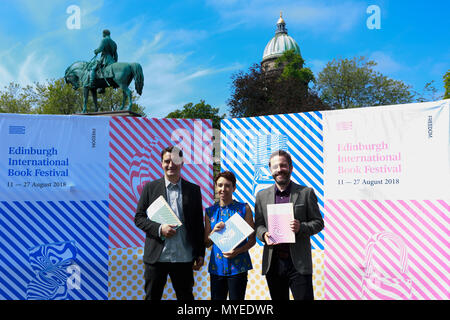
x,y
117,75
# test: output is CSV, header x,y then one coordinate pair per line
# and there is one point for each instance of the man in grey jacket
x,y
288,265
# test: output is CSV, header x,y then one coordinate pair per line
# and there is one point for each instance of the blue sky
x,y
190,49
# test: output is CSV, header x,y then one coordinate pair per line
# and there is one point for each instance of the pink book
x,y
279,216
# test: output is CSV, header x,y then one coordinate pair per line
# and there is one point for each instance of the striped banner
x,y
387,249
247,143
53,250
135,158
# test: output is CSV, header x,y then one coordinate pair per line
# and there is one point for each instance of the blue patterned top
x,y
218,264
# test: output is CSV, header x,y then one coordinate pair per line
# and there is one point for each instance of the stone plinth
x,y
122,113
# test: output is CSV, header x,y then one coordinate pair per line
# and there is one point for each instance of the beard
x,y
282,178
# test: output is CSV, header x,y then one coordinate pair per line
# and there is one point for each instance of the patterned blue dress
x,y
218,264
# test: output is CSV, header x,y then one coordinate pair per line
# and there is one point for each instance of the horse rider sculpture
x,y
108,50
106,72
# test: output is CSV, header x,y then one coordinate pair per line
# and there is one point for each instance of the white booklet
x,y
235,231
279,217
160,211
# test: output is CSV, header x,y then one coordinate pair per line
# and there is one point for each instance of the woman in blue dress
x,y
228,270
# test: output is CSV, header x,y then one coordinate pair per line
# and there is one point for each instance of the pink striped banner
x,y
387,249
135,148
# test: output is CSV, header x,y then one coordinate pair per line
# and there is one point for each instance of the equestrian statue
x,y
103,73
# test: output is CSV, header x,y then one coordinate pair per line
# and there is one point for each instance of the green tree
x,y
292,67
351,83
15,99
284,89
447,85
428,93
57,97
200,110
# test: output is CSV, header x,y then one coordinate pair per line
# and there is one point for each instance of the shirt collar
x,y
287,191
167,182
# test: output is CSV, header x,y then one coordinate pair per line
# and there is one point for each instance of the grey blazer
x,y
306,211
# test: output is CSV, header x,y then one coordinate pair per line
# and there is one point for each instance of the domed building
x,y
280,43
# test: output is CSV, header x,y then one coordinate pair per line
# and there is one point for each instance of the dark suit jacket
x,y
306,211
193,218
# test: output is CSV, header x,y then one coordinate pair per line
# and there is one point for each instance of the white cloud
x,y
385,63
33,69
169,81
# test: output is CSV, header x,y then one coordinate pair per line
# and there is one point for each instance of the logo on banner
x,y
264,146
55,271
344,126
386,267
16,129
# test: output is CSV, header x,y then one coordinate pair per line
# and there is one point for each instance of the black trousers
x,y
282,275
181,274
234,286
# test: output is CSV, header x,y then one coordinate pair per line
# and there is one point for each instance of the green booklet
x,y
160,211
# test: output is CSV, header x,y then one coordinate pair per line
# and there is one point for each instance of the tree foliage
x,y
283,90
200,110
447,85
57,97
292,67
350,83
15,99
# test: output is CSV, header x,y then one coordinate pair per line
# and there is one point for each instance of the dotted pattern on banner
x,y
318,258
257,286
126,277
126,274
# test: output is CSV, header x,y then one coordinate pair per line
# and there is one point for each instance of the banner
x,y
70,184
246,146
387,202
381,175
68,194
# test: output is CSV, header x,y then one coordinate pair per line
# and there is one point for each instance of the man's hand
x,y
295,225
198,263
268,239
167,230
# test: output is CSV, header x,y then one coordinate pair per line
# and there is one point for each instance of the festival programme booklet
x,y
160,211
279,217
235,231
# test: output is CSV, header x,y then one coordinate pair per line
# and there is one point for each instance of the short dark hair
x,y
227,175
282,153
106,32
169,149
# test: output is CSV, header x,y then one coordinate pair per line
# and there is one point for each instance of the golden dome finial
x,y
281,20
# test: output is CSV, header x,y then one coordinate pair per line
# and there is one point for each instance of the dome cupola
x,y
280,43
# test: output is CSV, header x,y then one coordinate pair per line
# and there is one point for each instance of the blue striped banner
x,y
246,145
72,235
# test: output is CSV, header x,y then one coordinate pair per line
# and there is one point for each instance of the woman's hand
x,y
218,226
230,254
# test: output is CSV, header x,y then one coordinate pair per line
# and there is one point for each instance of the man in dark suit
x,y
169,251
288,265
